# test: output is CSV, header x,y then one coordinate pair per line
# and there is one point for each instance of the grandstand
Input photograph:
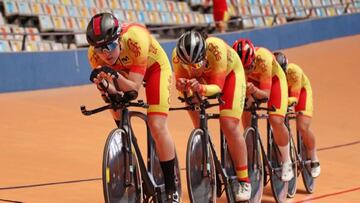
x,y
44,25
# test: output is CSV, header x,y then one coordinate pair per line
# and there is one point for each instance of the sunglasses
x,y
107,47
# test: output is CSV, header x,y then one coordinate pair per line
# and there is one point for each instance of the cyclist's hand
x,y
94,73
249,101
195,86
181,84
250,88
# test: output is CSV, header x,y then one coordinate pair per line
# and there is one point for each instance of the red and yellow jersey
x,y
266,67
221,59
138,51
297,80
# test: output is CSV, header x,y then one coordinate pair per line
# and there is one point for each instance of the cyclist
x,y
265,79
210,66
300,92
130,49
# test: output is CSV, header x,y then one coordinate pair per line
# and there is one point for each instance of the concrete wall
x,y
29,71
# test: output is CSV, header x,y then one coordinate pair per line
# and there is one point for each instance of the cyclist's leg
x,y
303,122
278,99
158,81
230,113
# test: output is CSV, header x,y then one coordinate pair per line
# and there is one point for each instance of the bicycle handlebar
x,y
203,103
117,101
255,105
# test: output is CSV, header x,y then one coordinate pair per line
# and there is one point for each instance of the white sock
x,y
312,154
285,153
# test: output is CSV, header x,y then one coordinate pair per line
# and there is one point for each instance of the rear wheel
x,y
116,168
255,165
305,165
278,187
202,189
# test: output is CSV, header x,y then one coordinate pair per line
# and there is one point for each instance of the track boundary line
x,y
338,146
47,184
328,195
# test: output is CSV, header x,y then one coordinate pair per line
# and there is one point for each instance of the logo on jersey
x,y
125,60
214,49
152,49
134,47
260,63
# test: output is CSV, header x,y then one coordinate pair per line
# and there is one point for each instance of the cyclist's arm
x,y
294,82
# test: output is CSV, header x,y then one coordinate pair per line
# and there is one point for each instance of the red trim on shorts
x,y
97,25
152,78
229,117
275,94
228,91
157,113
241,168
301,106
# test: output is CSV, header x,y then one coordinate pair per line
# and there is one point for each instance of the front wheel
x,y
120,172
305,165
201,178
255,165
279,188
293,181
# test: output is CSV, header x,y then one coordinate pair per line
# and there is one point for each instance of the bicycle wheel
x,y
231,174
255,165
156,171
278,187
202,189
308,180
115,161
293,182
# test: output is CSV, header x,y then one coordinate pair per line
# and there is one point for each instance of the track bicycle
x,y
264,166
207,176
125,176
303,163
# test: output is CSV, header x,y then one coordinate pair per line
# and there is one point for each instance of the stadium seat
x,y
73,11
172,6
114,4
24,8
44,46
247,22
183,7
82,23
59,24
119,14
126,4
4,32
80,40
61,10
94,11
188,18
89,3
32,33
154,17
10,8
4,46
31,46
45,23
130,16
138,5
49,9
149,5
16,45
209,18
244,11
178,18
80,2
57,46
84,12
101,4
54,2
142,17
264,2
161,6
166,18
2,22
36,8
71,24
15,29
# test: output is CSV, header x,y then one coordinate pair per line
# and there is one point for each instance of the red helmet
x,y
102,29
245,50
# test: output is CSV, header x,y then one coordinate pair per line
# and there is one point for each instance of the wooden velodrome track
x,y
49,152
